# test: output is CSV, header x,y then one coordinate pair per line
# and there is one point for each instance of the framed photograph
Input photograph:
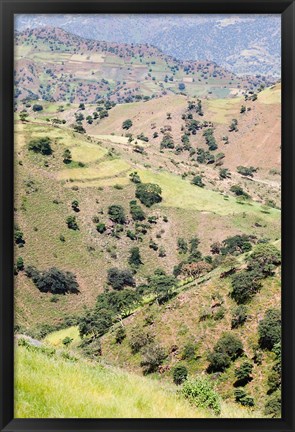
x,y
147,215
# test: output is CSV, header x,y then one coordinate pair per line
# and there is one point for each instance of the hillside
x,y
245,44
54,65
147,231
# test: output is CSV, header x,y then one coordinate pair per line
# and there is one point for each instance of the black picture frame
x,y
287,10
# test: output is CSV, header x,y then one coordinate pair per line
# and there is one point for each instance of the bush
x,y
75,206
162,285
239,191
269,329
245,285
41,145
179,374
152,356
120,278
239,317
244,399
53,280
148,193
91,347
201,393
67,341
117,214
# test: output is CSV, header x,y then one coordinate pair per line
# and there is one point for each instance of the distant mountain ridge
x,y
244,44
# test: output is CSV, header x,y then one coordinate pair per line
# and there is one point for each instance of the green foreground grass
x,y
53,387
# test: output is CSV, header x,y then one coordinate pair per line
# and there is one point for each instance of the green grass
x,y
105,169
180,193
52,387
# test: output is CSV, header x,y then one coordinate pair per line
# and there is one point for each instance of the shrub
x,y
201,393
120,335
239,191
245,285
19,237
148,193
269,329
19,264
91,347
72,223
120,278
179,374
101,227
152,356
244,399
273,406
239,316
167,141
182,245
75,206
67,341
189,351
236,245
117,214
41,145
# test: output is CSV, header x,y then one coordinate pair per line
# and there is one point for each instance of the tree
x,y
135,258
227,349
37,107
236,245
243,373
180,374
239,316
67,341
224,173
19,237
89,119
53,280
242,397
245,285
210,140
118,279
134,177
79,129
181,86
233,126
243,109
117,214
41,145
95,323
148,193
120,335
72,223
152,356
127,124
201,393
269,329
67,156
162,285
82,106
246,171
101,227
167,141
182,245
139,338
264,259
239,191
197,181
